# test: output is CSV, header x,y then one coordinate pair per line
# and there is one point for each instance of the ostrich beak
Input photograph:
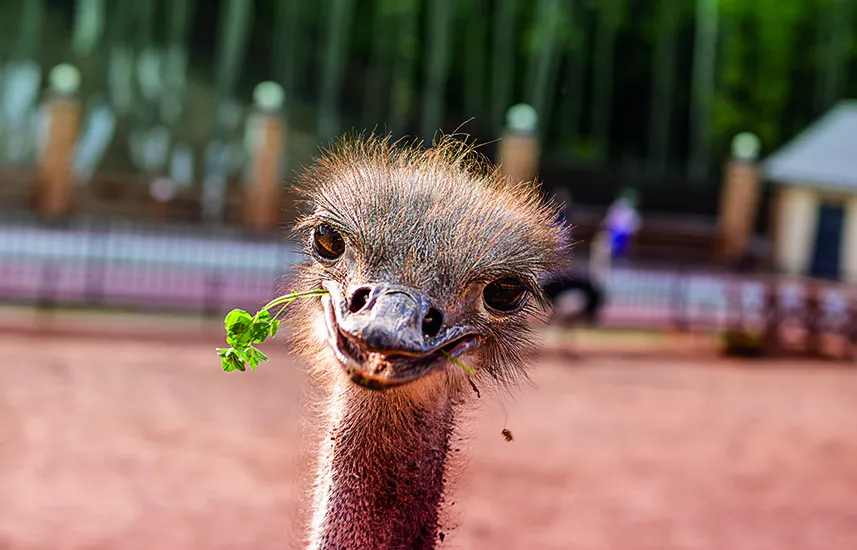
x,y
390,335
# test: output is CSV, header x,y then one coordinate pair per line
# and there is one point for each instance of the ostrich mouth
x,y
378,370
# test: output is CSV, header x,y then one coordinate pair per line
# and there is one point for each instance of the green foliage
x,y
755,69
243,331
609,77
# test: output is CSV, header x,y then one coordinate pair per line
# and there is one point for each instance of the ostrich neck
x,y
380,476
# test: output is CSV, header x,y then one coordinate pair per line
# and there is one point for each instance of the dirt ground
x,y
126,445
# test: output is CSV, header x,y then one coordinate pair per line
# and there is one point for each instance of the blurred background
x,y
703,149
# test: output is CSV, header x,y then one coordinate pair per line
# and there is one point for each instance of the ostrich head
x,y
424,253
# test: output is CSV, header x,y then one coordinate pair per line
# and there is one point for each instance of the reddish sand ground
x,y
121,445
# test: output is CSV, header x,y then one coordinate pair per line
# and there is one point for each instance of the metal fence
x,y
138,266
198,269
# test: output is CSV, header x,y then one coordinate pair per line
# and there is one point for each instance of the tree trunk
x,y
88,26
440,18
338,25
30,32
402,97
176,63
836,33
503,63
235,25
288,59
702,91
607,26
544,62
377,81
475,59
663,83
574,81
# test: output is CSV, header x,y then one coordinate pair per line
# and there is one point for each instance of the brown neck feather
x,y
380,479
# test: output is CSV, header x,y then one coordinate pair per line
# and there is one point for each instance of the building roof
x,y
823,156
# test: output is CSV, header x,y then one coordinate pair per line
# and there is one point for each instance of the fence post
x,y
812,319
61,112
96,264
851,331
680,300
266,136
772,316
46,300
519,148
739,199
734,306
213,298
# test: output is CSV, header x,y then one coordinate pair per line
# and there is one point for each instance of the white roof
x,y
822,156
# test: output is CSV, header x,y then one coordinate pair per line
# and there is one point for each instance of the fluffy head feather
x,y
441,220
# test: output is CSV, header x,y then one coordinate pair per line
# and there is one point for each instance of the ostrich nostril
x,y
432,322
359,299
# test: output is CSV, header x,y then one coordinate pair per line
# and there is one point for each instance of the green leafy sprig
x,y
243,331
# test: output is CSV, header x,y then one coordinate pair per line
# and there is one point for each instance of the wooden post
x,y
774,229
851,342
519,149
266,137
739,200
55,172
813,318
772,317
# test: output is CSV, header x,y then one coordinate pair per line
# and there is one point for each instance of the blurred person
x,y
622,222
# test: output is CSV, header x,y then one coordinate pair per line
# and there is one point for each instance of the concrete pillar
x,y
55,171
519,149
739,199
797,220
849,243
266,137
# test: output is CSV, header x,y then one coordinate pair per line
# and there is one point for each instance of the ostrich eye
x,y
504,295
327,244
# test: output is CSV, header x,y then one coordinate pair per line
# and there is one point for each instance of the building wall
x,y
849,242
796,222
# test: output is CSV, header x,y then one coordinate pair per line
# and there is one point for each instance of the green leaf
x,y
247,356
238,326
261,327
259,332
242,331
256,357
275,326
230,360
237,317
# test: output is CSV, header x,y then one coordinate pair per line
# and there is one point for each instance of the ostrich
x,y
425,254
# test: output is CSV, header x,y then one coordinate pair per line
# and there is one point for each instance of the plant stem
x,y
467,368
289,298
